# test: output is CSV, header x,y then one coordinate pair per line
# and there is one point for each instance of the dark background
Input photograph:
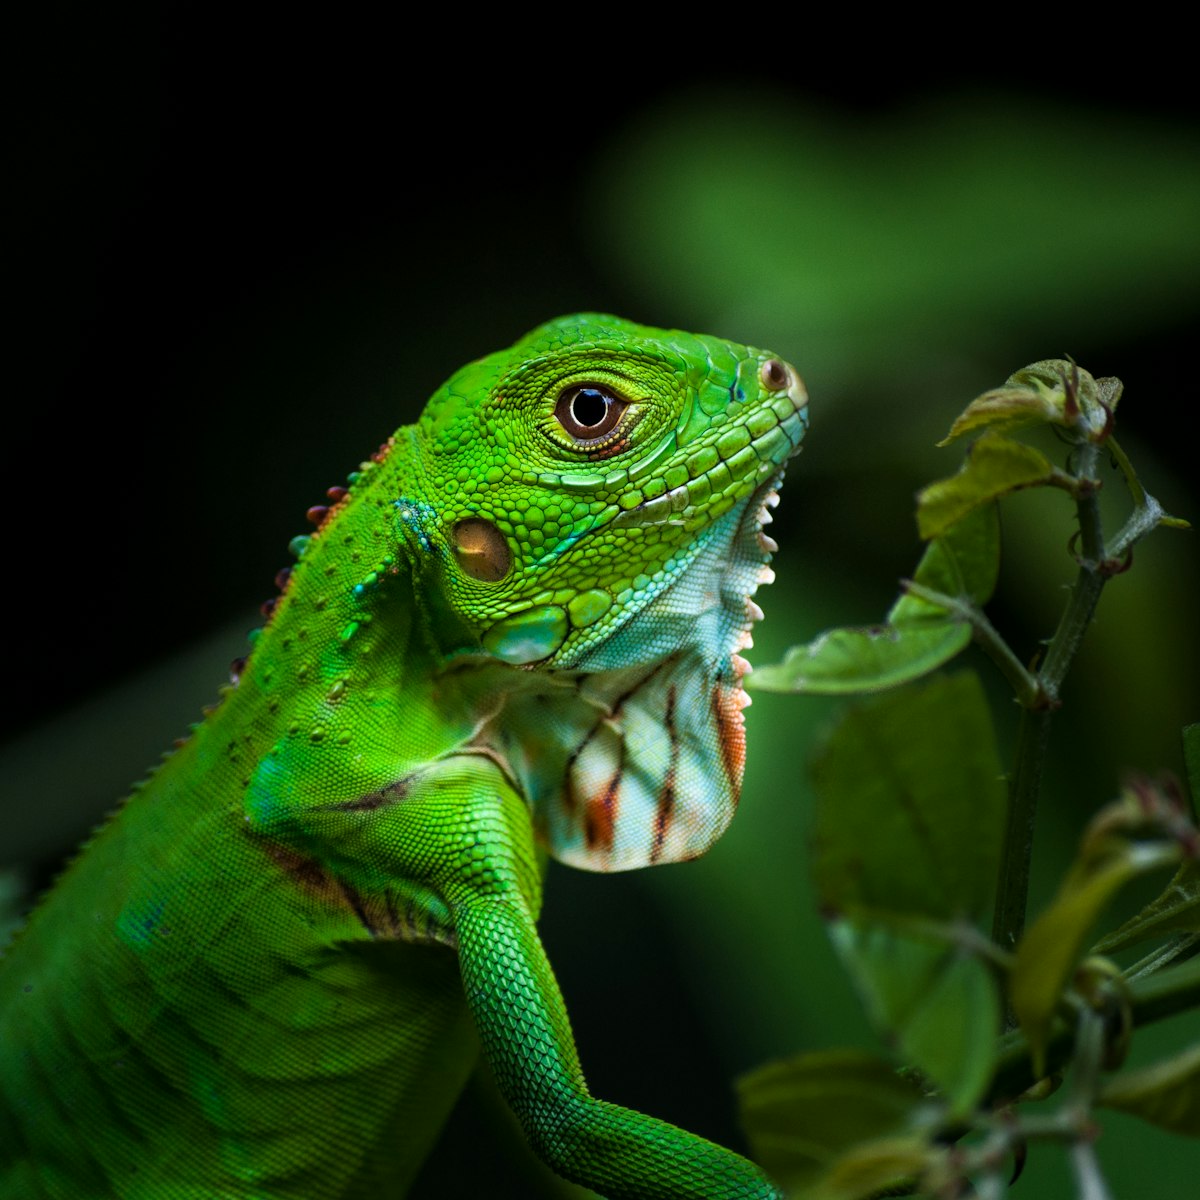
x,y
247,246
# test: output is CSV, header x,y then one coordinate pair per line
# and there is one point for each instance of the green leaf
x,y
1113,849
1177,908
873,1170
1051,947
1166,1094
995,466
963,562
917,638
850,661
803,1114
952,1035
1109,391
1077,398
939,1005
1051,392
910,803
1005,408
909,812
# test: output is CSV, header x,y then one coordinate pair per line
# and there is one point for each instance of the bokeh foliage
x,y
926,246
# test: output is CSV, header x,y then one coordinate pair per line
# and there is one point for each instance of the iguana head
x,y
590,494
588,505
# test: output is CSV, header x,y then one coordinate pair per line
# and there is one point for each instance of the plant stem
x,y
1143,519
1181,944
1167,992
1085,592
1087,1173
1012,892
1024,682
1084,1083
1016,852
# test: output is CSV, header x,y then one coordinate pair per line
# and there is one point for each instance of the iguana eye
x,y
588,411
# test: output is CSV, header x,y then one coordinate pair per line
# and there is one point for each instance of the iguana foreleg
x,y
462,830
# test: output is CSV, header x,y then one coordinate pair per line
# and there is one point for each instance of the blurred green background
x,y
247,248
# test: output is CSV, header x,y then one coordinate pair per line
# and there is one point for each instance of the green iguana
x,y
516,631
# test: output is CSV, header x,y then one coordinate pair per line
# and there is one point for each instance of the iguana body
x,y
517,631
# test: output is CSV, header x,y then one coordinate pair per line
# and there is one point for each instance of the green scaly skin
x,y
518,633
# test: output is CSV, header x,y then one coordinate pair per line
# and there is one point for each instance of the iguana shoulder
x,y
517,630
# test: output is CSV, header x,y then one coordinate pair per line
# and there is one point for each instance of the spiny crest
x,y
318,515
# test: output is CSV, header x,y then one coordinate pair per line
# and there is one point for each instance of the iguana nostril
x,y
774,375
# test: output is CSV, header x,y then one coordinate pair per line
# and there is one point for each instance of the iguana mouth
x,y
751,547
744,450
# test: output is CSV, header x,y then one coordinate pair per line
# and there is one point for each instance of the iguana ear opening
x,y
480,550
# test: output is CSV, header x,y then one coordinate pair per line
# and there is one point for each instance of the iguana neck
x,y
362,662
345,654
493,552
